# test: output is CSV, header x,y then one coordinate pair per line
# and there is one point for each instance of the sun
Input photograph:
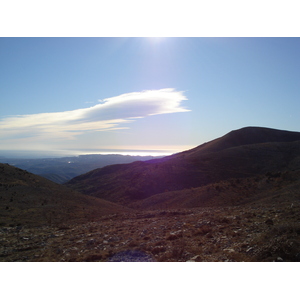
x,y
156,39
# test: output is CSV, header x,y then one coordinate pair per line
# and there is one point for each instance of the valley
x,y
62,169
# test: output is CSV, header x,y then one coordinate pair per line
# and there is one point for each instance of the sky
x,y
110,94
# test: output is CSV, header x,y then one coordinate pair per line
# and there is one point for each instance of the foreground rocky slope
x,y
260,231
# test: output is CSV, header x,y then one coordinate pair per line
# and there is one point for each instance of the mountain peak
x,y
221,159
246,136
256,135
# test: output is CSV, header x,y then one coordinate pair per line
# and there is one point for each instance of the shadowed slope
x,y
29,199
264,188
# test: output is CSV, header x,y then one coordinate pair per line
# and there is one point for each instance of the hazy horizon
x,y
27,154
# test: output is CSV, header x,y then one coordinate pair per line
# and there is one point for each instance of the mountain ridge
x,y
245,136
246,152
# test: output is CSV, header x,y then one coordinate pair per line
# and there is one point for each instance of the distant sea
x,y
130,152
66,153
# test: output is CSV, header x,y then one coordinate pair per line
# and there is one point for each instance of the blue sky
x,y
171,94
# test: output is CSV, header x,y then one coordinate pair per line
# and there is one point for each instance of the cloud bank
x,y
110,114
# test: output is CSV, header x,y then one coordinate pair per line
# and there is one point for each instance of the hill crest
x,y
247,152
28,199
245,136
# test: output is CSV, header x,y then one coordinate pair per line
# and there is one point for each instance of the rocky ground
x,y
256,231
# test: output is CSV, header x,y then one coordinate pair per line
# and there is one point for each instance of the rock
x,y
230,250
114,239
269,222
195,257
91,242
131,256
279,258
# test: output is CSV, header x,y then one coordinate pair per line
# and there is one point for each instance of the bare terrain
x,y
234,199
256,232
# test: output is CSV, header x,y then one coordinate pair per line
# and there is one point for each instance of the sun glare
x,y
156,40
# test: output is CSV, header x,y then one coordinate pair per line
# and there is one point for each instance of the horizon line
x,y
40,154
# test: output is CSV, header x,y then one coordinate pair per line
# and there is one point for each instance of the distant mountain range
x,y
245,153
60,170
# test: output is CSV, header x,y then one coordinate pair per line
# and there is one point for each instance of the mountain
x,y
62,169
245,136
28,199
235,198
245,153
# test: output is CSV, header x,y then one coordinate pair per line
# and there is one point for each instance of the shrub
x,y
158,249
174,235
203,230
93,257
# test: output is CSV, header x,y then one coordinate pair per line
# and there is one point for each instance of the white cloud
x,y
109,114
136,105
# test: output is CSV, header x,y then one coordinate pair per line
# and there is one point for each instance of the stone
x,y
269,222
131,256
279,258
230,250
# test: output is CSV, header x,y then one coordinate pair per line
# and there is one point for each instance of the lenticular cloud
x,y
109,114
137,105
